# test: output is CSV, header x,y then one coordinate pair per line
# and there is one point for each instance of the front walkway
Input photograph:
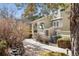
x,y
44,46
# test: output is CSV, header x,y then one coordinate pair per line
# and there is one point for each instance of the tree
x,y
74,28
32,10
32,7
7,13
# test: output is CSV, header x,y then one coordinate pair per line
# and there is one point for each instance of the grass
x,y
48,53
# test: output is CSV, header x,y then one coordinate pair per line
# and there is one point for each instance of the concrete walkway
x,y
47,47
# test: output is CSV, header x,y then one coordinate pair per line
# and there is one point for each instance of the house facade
x,y
40,25
57,21
61,22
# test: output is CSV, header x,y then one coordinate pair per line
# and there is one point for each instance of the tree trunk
x,y
74,28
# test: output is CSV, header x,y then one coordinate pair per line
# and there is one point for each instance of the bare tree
x,y
7,13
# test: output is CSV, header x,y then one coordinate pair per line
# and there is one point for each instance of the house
x,y
57,21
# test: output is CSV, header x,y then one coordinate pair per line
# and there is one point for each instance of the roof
x,y
40,19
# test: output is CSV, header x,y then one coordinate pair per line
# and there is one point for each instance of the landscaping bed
x,y
64,42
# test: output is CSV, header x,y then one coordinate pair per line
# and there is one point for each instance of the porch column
x,y
38,29
33,31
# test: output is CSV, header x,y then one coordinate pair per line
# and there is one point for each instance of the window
x,y
46,32
42,26
57,13
54,23
35,27
57,23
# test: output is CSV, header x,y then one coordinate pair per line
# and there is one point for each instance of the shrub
x,y
55,38
42,38
58,36
64,42
3,44
48,53
13,32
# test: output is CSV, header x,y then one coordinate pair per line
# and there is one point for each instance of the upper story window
x,y
57,23
56,13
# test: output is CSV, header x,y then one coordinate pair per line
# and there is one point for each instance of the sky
x,y
19,12
12,6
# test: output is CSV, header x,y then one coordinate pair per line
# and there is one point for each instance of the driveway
x,y
32,42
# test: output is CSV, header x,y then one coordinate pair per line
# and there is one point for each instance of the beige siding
x,y
66,22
